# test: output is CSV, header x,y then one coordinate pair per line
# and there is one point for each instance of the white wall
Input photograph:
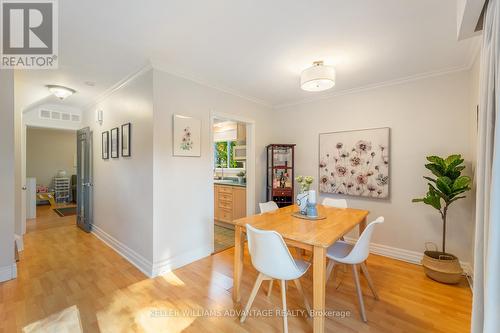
x,y
183,186
47,152
474,87
123,187
7,176
427,117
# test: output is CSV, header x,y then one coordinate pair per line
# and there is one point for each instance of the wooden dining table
x,y
310,235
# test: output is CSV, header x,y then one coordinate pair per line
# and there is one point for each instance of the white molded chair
x,y
354,255
272,259
269,206
338,203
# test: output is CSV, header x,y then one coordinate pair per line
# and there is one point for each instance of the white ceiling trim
x,y
166,69
123,82
379,85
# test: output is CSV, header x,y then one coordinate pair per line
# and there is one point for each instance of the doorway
x,y
233,166
84,177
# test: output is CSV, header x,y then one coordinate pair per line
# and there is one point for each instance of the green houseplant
x,y
448,186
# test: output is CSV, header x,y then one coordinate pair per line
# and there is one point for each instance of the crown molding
x,y
161,67
123,82
377,85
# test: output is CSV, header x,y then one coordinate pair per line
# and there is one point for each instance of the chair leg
x,y
369,280
301,292
270,289
359,292
283,297
329,269
255,289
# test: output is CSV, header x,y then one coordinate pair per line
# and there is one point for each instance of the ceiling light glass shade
x,y
60,92
318,77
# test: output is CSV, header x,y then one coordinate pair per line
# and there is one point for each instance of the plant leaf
x,y
436,169
430,179
461,182
443,186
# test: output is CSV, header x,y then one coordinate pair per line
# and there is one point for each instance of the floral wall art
x,y
186,136
355,162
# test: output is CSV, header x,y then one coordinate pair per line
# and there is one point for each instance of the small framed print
x,y
105,145
186,136
115,142
126,133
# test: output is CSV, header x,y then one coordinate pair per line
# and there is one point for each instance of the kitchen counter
x,y
229,182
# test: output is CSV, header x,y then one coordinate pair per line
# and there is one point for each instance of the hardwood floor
x,y
62,266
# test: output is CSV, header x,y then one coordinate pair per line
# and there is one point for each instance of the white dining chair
x,y
354,255
272,259
269,206
338,203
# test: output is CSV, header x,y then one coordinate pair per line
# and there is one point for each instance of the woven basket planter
x,y
442,267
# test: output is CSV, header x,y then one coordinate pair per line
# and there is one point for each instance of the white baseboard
x,y
168,265
133,257
8,272
413,257
19,242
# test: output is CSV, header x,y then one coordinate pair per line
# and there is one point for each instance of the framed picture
x,y
355,162
115,142
126,133
105,145
186,136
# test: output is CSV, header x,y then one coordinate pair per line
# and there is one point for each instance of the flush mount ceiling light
x,y
60,92
318,77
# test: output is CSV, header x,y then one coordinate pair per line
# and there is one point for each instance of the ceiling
x,y
256,49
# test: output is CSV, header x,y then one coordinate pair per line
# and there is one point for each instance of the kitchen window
x,y
223,151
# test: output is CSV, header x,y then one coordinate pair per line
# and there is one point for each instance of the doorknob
x,y
24,188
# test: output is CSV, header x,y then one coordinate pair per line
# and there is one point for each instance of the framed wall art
x,y
126,139
105,145
115,142
186,136
355,162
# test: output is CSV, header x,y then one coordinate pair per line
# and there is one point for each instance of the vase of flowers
x,y
305,189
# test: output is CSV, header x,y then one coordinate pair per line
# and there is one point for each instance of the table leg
x,y
239,243
319,285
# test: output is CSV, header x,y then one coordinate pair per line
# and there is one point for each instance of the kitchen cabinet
x,y
230,202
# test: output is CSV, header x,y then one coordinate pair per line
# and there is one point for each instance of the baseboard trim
x,y
168,265
8,272
413,257
19,242
133,257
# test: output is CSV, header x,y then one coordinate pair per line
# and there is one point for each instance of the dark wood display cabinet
x,y
280,174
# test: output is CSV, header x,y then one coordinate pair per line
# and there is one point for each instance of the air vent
x,y
59,116
44,114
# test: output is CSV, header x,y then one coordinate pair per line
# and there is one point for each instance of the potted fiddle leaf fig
x,y
447,186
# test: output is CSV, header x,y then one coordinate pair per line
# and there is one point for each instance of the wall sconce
x,y
99,116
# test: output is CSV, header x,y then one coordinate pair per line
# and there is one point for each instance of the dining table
x,y
310,235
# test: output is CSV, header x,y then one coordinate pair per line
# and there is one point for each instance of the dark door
x,y
84,184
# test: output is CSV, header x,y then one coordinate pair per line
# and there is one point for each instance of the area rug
x,y
66,321
66,211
